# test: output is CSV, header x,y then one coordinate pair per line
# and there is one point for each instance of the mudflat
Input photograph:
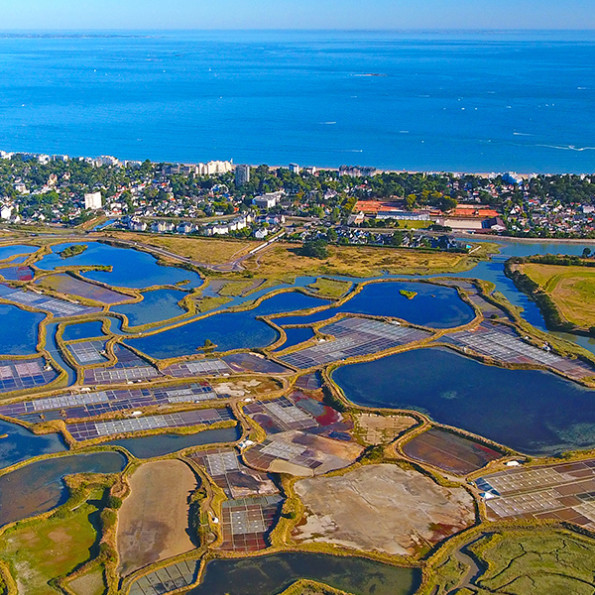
x,y
153,520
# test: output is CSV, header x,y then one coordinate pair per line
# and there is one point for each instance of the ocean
x,y
476,102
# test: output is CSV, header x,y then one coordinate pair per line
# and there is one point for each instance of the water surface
x,y
19,444
454,101
131,268
271,574
39,487
18,330
231,330
83,330
158,445
157,305
435,306
531,411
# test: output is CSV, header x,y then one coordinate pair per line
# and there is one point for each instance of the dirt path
x,y
153,521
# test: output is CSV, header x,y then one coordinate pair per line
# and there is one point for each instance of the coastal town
x,y
348,205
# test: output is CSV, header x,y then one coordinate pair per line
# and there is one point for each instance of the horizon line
x,y
306,29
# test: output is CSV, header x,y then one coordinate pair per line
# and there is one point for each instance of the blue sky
x,y
297,14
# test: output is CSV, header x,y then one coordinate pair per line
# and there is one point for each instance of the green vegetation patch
x,y
235,288
408,294
39,551
207,304
330,288
73,250
536,562
91,582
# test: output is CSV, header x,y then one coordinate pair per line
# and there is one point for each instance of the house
x,y
93,200
261,234
268,200
494,224
5,212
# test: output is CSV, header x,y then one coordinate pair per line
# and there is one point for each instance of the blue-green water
x,y
232,330
39,487
8,251
434,306
531,411
18,330
146,447
473,101
157,305
83,330
271,574
295,336
130,268
19,444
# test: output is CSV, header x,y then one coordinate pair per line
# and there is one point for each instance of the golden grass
x,y
330,288
572,290
204,250
356,261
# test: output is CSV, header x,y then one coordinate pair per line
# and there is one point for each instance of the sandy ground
x,y
380,429
381,508
153,520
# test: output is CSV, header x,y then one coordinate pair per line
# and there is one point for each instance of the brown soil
x,y
153,521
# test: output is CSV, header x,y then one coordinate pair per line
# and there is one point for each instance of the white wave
x,y
522,134
327,123
567,148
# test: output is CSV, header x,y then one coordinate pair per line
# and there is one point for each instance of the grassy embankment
x,y
329,288
356,261
38,552
203,250
571,289
517,561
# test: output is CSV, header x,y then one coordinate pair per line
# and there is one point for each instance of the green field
x,y
571,288
521,562
330,288
39,551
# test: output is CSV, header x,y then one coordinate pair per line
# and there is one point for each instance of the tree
x,y
586,253
397,238
410,201
315,249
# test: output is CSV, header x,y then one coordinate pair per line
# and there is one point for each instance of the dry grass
x,y
356,261
204,250
572,290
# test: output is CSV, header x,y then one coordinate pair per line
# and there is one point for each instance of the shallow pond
x,y
9,251
39,487
19,444
18,330
131,268
231,330
298,335
531,411
434,306
266,575
157,305
147,447
84,330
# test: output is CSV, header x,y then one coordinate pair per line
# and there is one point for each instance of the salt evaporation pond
x,y
18,330
84,330
130,268
231,330
434,305
39,487
528,410
157,305
274,573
